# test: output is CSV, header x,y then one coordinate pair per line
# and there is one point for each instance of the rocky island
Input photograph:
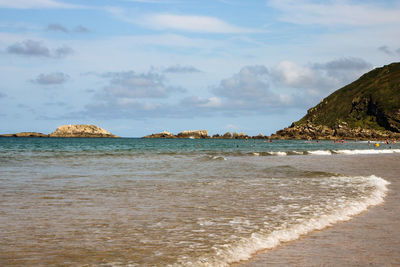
x,y
25,134
81,130
203,134
368,108
200,134
75,130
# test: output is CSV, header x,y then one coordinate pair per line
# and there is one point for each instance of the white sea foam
x,y
245,248
320,152
367,151
372,142
329,152
218,158
278,153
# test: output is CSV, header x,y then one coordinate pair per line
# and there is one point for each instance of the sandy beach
x,y
370,239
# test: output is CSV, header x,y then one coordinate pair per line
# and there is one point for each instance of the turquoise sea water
x,y
179,146
169,202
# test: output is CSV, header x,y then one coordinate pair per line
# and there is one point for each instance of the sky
x,y
136,67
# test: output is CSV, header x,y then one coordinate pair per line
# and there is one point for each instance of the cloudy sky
x,y
136,67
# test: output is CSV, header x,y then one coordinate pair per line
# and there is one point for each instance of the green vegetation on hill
x,y
371,102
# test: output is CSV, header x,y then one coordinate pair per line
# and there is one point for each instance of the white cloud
x,y
191,24
133,103
181,69
336,12
318,79
251,91
185,23
211,102
29,48
126,85
38,49
250,83
294,75
61,28
57,27
286,99
34,4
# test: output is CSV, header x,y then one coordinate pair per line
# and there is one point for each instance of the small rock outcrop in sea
x,y
227,135
161,135
193,134
368,108
26,134
203,134
81,130
185,134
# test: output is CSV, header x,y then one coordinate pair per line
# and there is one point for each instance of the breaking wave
x,y
245,248
328,152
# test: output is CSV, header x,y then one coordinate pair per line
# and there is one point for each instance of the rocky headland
x,y
368,108
75,130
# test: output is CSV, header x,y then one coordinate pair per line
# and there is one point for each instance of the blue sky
x,y
136,67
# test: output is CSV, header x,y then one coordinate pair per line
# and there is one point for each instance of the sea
x,y
171,202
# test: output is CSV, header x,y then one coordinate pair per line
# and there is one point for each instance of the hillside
x,y
368,107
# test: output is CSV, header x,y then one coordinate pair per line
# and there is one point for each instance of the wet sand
x,y
370,239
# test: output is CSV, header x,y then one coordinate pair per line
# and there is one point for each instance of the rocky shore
x,y
75,130
341,131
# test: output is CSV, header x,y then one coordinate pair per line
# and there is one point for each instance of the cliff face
x,y
80,130
366,108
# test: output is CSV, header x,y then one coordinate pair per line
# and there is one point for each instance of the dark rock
x,y
161,135
227,135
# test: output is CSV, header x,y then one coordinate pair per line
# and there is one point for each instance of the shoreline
x,y
370,238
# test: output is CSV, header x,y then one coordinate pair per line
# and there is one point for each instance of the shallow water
x,y
154,202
